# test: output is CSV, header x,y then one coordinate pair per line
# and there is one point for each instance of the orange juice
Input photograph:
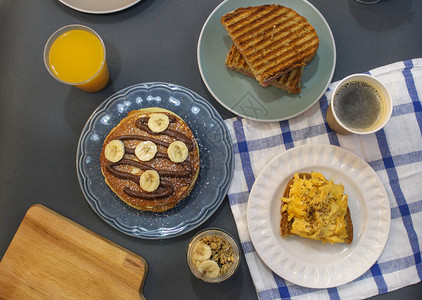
x,y
77,57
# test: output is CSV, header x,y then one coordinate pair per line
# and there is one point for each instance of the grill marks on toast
x,y
289,82
273,39
235,61
252,27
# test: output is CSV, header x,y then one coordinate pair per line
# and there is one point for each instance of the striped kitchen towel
x,y
395,153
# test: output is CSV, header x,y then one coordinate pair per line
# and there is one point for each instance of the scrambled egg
x,y
318,208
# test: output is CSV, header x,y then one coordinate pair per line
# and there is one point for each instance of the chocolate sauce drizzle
x,y
141,123
165,188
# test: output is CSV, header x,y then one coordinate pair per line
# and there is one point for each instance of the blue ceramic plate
x,y
243,95
215,149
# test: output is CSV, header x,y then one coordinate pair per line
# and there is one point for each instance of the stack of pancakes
x,y
176,179
271,43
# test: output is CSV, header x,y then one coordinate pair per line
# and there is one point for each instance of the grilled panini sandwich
x,y
289,82
272,39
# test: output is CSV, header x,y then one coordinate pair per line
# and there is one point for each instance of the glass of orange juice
x,y
76,55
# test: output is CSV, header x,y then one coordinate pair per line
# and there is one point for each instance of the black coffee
x,y
358,105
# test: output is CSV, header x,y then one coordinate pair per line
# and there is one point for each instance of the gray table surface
x,y
155,40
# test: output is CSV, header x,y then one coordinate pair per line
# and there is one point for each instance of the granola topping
x,y
221,252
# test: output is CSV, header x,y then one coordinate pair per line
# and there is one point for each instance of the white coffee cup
x,y
360,104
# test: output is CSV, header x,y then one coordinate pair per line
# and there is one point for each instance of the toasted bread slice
x,y
273,39
289,82
286,225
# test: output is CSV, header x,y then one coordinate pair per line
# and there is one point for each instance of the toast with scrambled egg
x,y
315,208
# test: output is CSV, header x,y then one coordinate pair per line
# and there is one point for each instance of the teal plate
x,y
243,95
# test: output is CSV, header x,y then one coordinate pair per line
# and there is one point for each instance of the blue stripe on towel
x,y
403,109
287,135
411,88
398,264
379,279
282,287
238,198
248,247
390,266
400,199
243,152
309,132
388,162
333,293
414,208
265,143
269,294
399,160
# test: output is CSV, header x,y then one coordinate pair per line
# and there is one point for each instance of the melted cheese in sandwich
x,y
318,208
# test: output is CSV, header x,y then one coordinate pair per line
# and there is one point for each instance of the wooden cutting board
x,y
51,257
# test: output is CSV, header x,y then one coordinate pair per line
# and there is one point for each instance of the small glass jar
x,y
221,248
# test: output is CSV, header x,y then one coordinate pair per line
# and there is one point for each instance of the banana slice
x,y
201,252
135,171
114,150
158,122
145,151
209,268
196,263
177,151
150,180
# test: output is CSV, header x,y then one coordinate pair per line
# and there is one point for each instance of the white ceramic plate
x,y
310,263
99,6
